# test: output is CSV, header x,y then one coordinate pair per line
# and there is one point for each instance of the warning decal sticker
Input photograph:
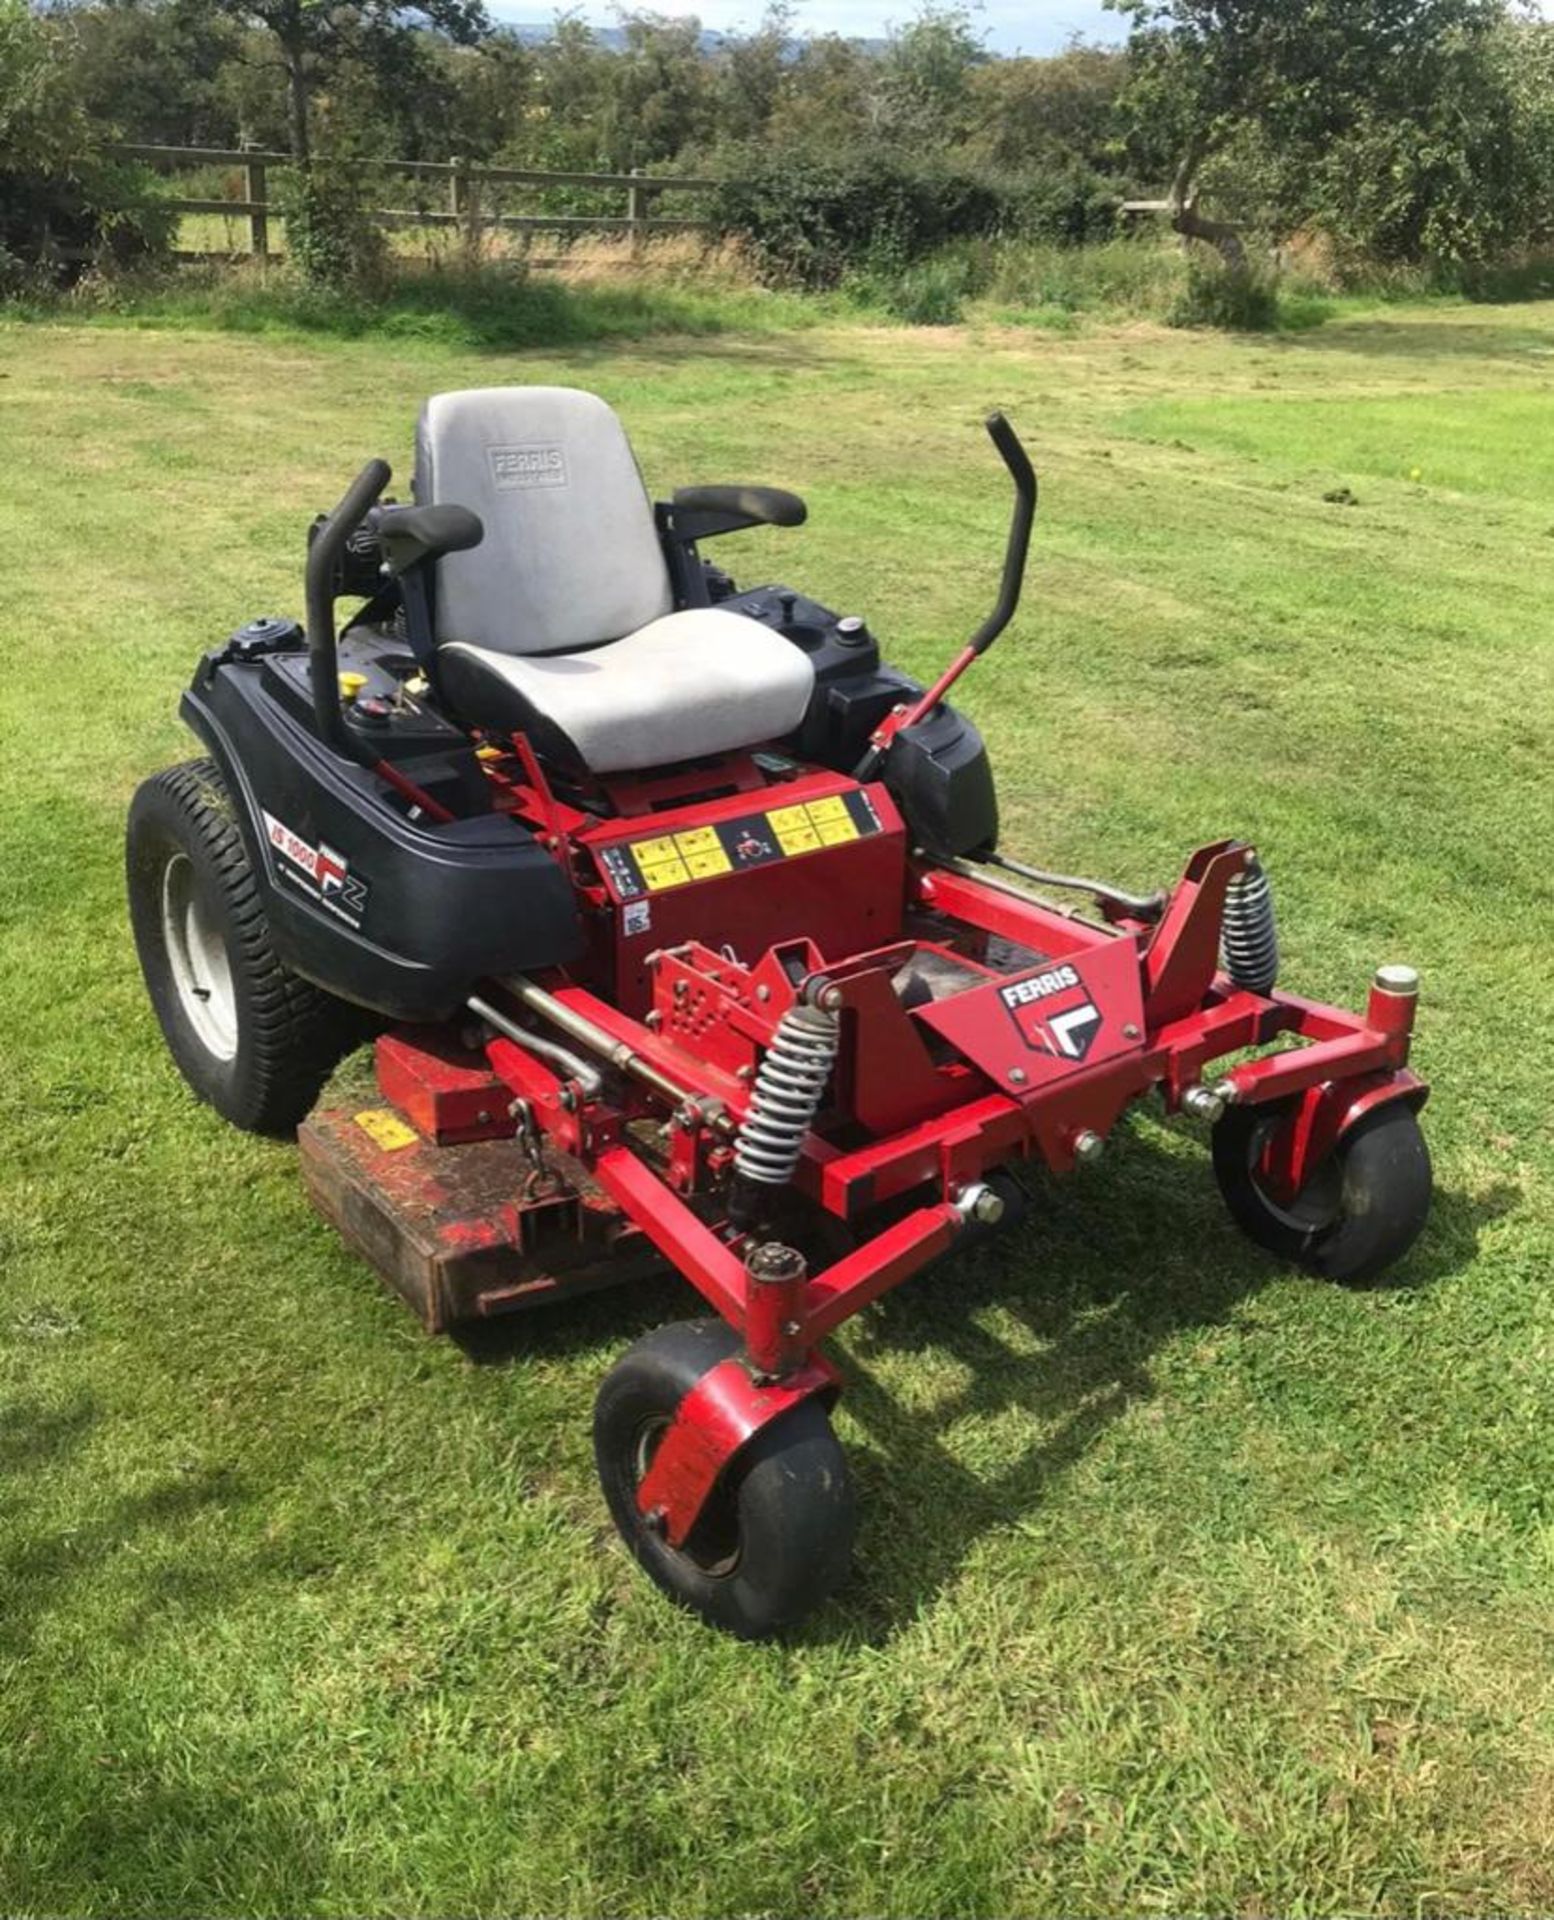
x,y
754,840
385,1129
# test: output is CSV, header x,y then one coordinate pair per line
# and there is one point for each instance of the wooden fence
x,y
466,187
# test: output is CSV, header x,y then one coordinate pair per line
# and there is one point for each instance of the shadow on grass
x,y
609,1319
1427,339
1103,1273
37,1565
1099,1335
114,1832
489,310
33,1437
98,1825
101,1813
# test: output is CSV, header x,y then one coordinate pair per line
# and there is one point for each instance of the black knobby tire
x,y
775,1541
249,1036
1360,1211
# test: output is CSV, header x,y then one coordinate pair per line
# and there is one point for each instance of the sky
x,y
1011,26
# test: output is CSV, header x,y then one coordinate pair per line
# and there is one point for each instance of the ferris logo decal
x,y
1037,987
514,467
1054,1012
322,872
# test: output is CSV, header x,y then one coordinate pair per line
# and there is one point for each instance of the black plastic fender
x,y
405,917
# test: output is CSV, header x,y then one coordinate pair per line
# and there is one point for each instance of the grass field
x,y
1184,1584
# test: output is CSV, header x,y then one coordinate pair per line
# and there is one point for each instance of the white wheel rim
x,y
197,958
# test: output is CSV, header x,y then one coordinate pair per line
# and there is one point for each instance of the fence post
x,y
637,202
473,181
464,203
256,175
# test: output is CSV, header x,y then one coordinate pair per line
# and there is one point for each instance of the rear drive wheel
x,y
775,1540
249,1036
1360,1211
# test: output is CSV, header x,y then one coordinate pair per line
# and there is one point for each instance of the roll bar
x,y
323,557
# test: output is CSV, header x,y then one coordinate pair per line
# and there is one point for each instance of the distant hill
x,y
535,32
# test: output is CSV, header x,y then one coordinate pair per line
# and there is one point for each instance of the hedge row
x,y
811,222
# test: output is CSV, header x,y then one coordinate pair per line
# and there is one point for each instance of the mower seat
x,y
561,623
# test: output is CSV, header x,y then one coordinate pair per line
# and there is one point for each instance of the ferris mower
x,y
683,926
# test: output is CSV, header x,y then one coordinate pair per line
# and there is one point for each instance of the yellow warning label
x,y
799,838
698,840
708,853
385,1129
834,832
822,811
703,853
650,852
666,873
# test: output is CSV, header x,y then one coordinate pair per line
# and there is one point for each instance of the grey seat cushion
x,y
558,624
699,682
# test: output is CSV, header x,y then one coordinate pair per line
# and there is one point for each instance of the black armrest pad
x,y
409,535
702,511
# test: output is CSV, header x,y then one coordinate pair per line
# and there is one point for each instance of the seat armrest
x,y
408,536
697,513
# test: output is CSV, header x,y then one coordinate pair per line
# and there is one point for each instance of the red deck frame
x,y
946,1092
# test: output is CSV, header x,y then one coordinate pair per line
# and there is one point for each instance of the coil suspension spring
x,y
789,1087
1249,937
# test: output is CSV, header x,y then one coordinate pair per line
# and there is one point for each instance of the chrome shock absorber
x,y
1249,937
789,1087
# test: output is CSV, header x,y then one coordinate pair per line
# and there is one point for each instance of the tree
x,y
925,76
1462,176
751,75
483,96
824,97
63,198
156,68
1298,73
1056,114
573,82
309,34
660,90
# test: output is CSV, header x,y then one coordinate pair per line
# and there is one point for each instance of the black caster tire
x,y
775,1541
251,1037
1358,1214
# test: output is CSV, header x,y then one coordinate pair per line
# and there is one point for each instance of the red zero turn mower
x,y
689,921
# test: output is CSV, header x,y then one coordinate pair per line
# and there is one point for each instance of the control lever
x,y
1017,546
323,557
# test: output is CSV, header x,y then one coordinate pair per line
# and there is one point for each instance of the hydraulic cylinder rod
x,y
579,1027
1144,906
587,1077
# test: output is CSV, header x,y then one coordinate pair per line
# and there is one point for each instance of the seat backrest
x,y
570,555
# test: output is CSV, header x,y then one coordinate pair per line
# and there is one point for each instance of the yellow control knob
x,y
351,684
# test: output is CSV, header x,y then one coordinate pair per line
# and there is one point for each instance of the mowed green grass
x,y
1184,1583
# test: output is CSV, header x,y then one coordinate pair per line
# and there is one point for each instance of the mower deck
x,y
454,1230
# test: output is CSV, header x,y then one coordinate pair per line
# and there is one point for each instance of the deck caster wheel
x,y
249,1036
1360,1211
775,1540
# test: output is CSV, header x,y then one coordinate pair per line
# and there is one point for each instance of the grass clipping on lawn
x,y
1185,1584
